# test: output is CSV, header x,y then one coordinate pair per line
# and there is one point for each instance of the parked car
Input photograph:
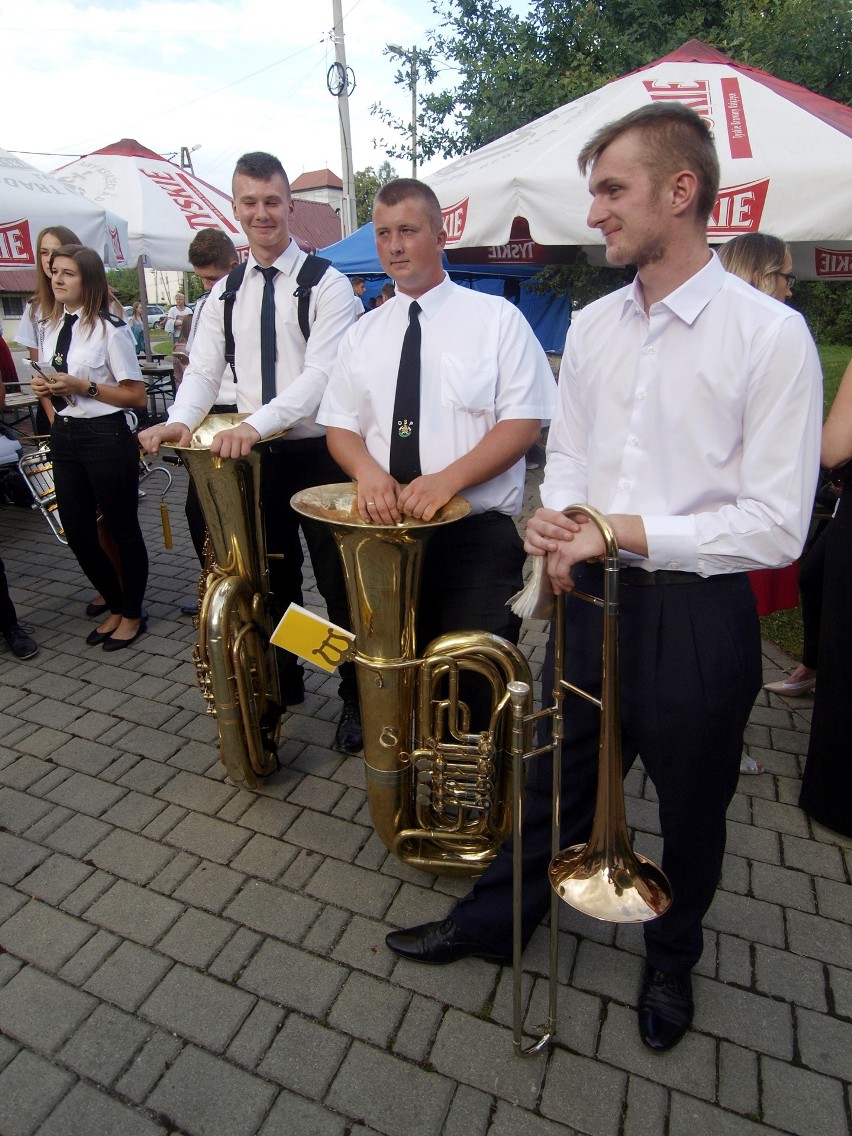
x,y
156,315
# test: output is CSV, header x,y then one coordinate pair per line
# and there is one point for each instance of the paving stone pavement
x,y
182,956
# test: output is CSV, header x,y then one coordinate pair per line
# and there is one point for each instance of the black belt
x,y
638,576
223,408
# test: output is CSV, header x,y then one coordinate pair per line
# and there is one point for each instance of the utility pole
x,y
411,58
341,82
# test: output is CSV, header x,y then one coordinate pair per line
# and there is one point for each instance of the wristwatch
x,y
92,390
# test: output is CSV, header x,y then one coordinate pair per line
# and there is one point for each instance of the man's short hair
x,y
401,189
260,165
388,291
356,280
674,138
212,247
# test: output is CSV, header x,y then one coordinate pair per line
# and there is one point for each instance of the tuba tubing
x,y
439,794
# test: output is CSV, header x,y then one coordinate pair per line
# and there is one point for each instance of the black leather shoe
x,y
110,644
438,944
349,737
97,609
665,1008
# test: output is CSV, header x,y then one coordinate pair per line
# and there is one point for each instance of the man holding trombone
x,y
689,415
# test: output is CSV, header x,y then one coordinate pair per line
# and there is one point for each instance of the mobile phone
x,y
45,372
50,373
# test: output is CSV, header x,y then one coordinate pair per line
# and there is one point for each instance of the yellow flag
x,y
313,638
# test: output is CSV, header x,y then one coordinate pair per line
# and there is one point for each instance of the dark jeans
x,y
96,466
690,671
289,467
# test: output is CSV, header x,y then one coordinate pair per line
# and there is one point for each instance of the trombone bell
x,y
619,887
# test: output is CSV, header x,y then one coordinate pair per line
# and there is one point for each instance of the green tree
x,y
368,182
125,283
512,69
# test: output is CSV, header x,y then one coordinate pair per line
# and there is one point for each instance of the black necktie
x,y
63,342
405,444
267,334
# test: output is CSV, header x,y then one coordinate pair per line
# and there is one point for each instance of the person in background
x,y
765,262
20,641
39,309
826,793
90,361
137,327
212,255
359,287
654,388
175,316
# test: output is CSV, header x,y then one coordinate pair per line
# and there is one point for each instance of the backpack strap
x,y
310,274
232,286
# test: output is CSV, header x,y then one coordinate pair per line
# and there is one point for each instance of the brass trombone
x,y
603,878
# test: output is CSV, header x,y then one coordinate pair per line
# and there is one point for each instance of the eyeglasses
x,y
790,278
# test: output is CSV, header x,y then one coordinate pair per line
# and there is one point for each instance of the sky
x,y
227,76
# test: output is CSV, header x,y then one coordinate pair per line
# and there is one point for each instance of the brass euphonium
x,y
440,793
233,656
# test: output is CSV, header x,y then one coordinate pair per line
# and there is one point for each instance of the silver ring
x,y
370,503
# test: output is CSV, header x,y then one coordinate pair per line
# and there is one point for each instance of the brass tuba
x,y
440,795
233,656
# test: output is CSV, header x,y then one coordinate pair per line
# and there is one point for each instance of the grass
x,y
784,628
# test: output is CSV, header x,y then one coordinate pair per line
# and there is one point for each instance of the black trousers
x,y
8,615
96,466
470,569
289,467
690,671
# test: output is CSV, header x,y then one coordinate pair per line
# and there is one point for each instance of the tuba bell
x,y
440,792
233,657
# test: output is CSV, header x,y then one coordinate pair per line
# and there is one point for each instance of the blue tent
x,y
548,314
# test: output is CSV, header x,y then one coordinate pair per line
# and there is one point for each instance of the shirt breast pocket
x,y
90,363
468,383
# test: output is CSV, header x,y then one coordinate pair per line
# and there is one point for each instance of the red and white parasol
x,y
32,200
165,205
785,155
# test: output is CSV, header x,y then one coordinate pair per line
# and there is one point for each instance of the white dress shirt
x,y
480,364
703,417
301,371
103,354
30,331
227,395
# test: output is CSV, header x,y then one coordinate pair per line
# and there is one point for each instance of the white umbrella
x,y
165,205
785,155
31,200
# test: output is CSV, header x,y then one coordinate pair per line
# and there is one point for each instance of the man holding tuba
x,y
441,391
689,415
280,363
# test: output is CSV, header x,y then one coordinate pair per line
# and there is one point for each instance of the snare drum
x,y
37,470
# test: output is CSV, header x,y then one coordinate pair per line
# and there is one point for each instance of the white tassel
x,y
536,599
